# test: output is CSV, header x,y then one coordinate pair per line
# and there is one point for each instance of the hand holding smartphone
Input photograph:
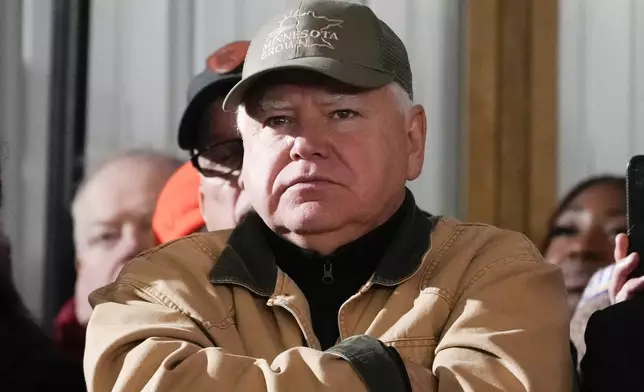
x,y
635,210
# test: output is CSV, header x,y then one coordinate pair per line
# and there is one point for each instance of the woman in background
x,y
582,231
581,240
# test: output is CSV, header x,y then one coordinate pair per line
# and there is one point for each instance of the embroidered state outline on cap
x,y
288,36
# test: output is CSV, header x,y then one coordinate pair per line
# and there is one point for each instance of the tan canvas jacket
x,y
469,308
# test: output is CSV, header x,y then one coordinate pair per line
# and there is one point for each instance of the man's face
x,y
222,201
112,220
319,157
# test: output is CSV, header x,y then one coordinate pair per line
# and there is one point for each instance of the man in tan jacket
x,y
337,281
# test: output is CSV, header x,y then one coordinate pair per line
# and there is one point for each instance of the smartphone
x,y
635,210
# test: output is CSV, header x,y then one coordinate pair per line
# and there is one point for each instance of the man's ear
x,y
416,126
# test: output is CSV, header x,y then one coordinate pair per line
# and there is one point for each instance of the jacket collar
x,y
248,261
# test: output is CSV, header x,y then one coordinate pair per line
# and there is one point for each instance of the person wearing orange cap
x,y
205,193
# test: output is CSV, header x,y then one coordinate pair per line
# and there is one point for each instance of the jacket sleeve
x,y
508,330
138,343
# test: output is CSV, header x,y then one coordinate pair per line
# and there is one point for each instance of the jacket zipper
x,y
327,272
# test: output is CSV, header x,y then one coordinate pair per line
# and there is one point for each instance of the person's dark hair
x,y
206,136
590,182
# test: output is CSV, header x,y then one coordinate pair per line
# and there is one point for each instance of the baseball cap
x,y
342,40
222,72
177,211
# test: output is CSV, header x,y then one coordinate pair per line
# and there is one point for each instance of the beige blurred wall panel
x,y
511,111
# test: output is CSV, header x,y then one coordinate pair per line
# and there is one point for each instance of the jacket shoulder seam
x,y
204,247
195,239
435,259
503,261
531,246
164,300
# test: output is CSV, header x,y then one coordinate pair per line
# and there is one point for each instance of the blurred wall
x,y
601,87
25,33
143,53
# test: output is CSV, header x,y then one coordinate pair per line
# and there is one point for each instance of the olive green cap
x,y
342,40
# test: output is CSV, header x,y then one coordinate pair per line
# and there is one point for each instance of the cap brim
x,y
352,74
189,124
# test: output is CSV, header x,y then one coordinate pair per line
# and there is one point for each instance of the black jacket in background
x,y
28,360
614,359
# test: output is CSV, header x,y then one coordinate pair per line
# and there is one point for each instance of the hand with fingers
x,y
621,287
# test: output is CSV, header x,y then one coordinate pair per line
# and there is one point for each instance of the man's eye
x,y
104,238
277,121
344,114
108,236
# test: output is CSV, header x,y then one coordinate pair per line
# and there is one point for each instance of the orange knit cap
x,y
177,212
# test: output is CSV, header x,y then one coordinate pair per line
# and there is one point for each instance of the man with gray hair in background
x,y
337,281
112,214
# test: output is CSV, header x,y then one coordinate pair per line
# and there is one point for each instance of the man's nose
x,y
311,141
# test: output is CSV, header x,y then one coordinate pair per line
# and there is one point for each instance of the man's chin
x,y
310,218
